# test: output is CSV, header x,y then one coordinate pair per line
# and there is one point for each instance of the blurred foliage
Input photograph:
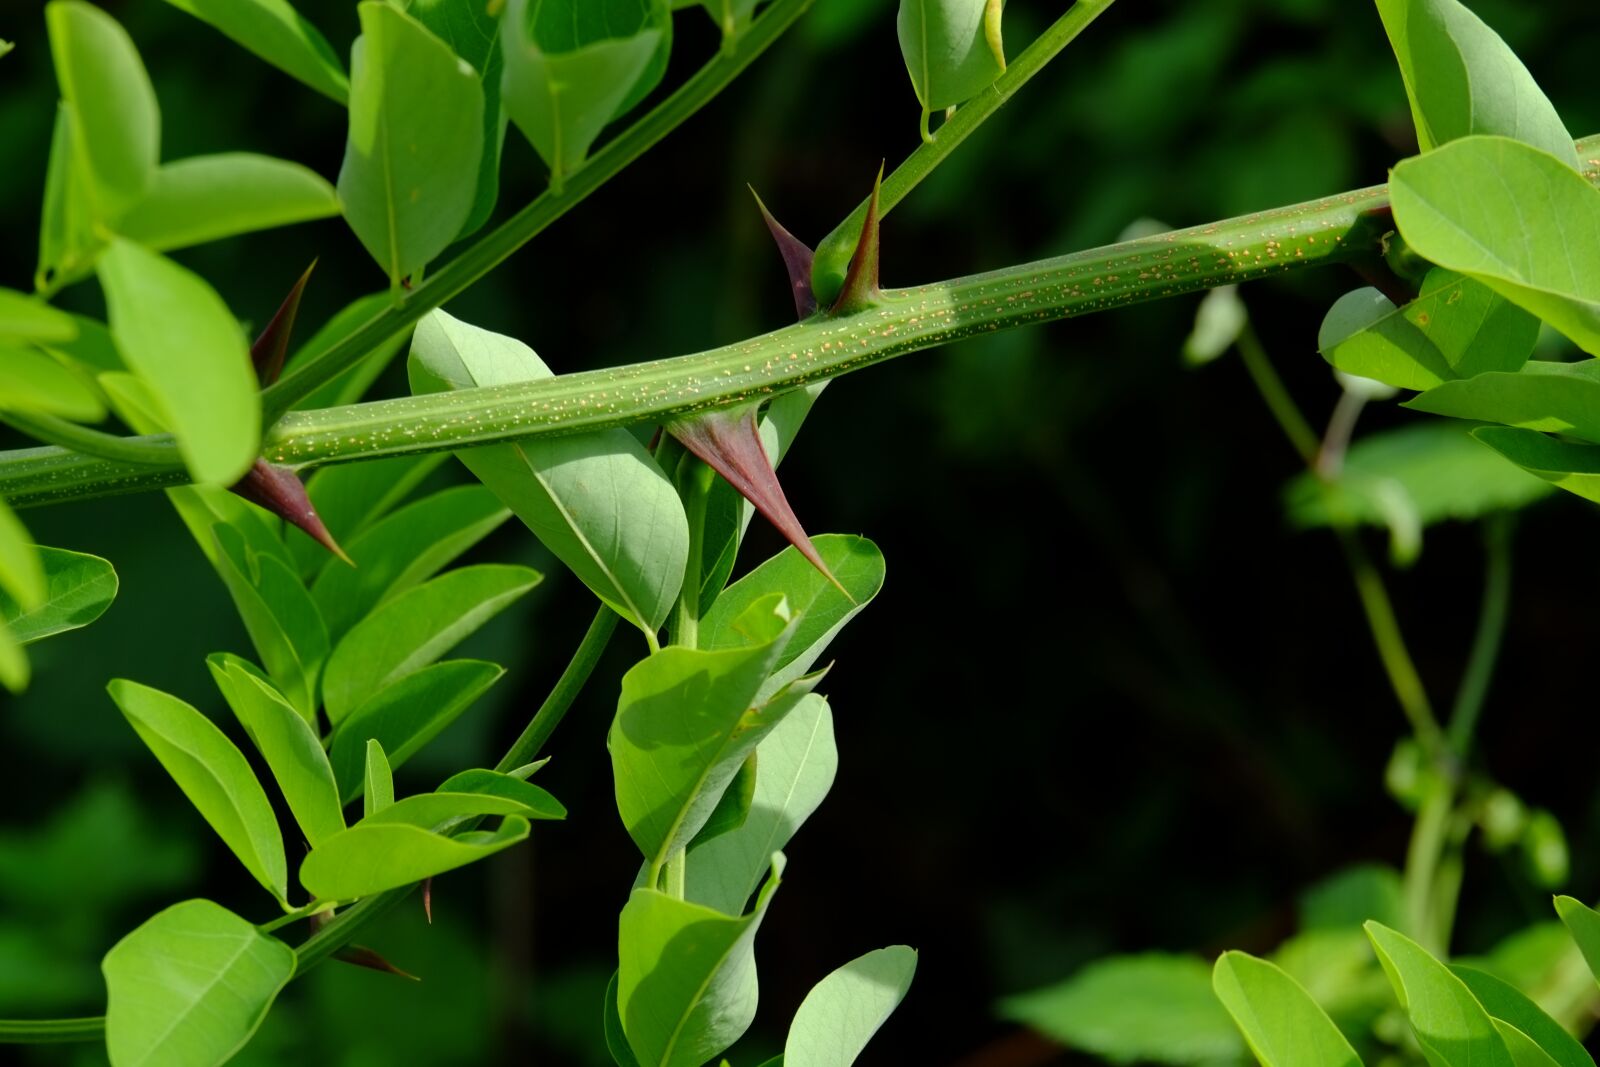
x,y
1153,689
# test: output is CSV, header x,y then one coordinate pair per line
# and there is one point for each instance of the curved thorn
x,y
271,348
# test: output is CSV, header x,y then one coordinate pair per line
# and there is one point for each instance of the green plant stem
x,y
141,451
967,118
493,248
51,1031
1284,410
1429,835
1490,634
526,748
695,487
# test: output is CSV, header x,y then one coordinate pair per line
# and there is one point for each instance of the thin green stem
x,y
303,912
836,247
695,486
51,1031
527,747
1276,395
493,248
1490,634
91,442
1428,838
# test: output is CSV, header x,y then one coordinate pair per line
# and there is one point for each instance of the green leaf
x,y
1462,79
182,341
843,1011
947,53
734,807
77,590
22,573
1410,478
352,385
278,614
1131,1009
440,811
598,500
535,803
616,1039
1573,467
208,198
1218,322
1552,397
350,497
35,381
1509,1004
67,239
472,30
287,742
1450,1024
372,857
731,16
1348,898
14,669
685,722
1280,1022
795,766
686,984
1456,328
416,628
116,122
377,784
402,550
27,318
213,774
1515,218
1337,968
1583,923
274,31
189,987
416,140
407,714
571,66
822,609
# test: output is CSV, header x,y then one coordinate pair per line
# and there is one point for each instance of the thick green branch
x,y
1337,229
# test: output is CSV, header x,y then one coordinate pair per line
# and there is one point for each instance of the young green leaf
x,y
377,784
275,32
1218,322
1506,1003
1130,1009
1450,1024
731,16
404,549
822,609
67,237
734,807
25,318
279,615
78,588
1456,328
213,774
571,66
843,1011
35,381
472,30
1583,923
1462,79
1280,1022
371,857
180,339
416,628
597,500
116,122
441,811
686,984
1465,207
795,766
416,141
1573,467
287,742
1551,397
671,766
948,50
534,802
189,986
208,198
407,714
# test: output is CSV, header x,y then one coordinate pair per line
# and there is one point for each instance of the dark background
x,y
1108,699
